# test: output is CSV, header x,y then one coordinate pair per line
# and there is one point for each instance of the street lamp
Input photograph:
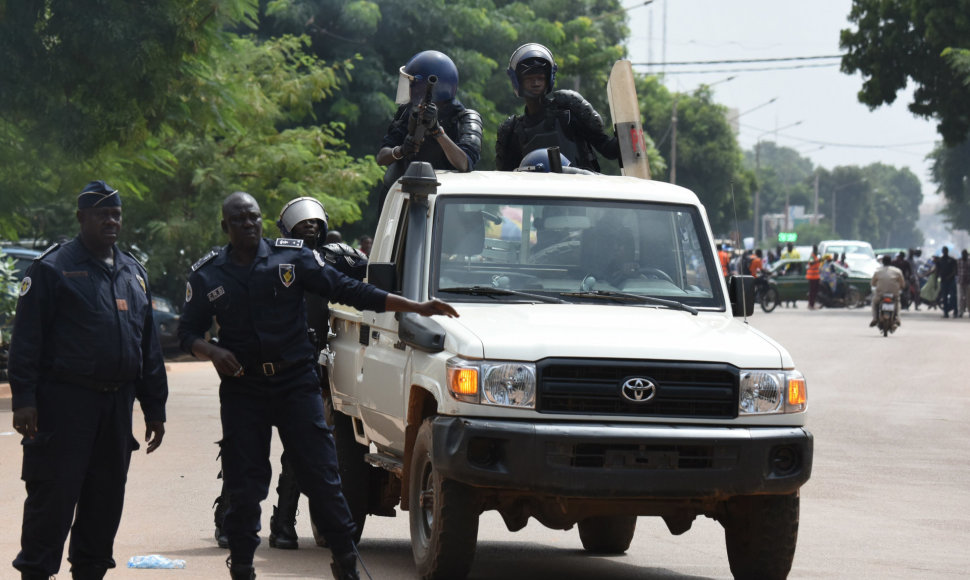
x,y
757,170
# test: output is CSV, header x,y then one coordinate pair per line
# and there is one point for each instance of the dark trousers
x,y
250,407
75,470
948,295
812,291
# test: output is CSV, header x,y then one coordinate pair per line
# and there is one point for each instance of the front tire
x,y
853,297
607,534
770,299
355,474
443,514
760,533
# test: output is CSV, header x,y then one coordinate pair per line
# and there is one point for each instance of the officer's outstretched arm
x,y
397,303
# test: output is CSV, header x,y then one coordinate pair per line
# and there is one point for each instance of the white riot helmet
x,y
301,209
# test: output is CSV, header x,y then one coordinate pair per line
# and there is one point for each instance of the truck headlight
x,y
502,383
765,392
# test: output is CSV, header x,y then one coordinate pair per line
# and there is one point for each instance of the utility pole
x,y
815,206
673,145
757,192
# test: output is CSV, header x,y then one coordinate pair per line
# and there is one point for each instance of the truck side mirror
x,y
741,294
421,333
384,276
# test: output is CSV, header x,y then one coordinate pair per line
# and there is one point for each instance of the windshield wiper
x,y
492,291
627,297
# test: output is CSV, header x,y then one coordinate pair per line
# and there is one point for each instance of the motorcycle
x,y
764,294
887,320
845,295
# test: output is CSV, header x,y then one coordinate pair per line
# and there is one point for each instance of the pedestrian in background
x,y
814,276
267,365
86,348
963,282
946,270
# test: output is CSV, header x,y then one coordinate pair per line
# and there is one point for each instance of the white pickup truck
x,y
599,371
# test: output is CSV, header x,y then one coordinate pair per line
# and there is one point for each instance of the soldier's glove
x,y
429,117
410,146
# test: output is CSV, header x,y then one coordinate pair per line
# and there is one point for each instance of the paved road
x,y
889,496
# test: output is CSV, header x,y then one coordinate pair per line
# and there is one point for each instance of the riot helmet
x,y
538,160
302,209
413,78
532,58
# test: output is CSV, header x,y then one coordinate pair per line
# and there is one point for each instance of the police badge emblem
x,y
287,274
188,292
25,286
141,282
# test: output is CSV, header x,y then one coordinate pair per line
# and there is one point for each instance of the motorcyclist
x,y
561,118
886,280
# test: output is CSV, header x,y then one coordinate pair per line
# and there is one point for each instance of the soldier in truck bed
x,y
561,118
451,136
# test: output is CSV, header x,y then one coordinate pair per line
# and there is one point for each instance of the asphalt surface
x,y
888,496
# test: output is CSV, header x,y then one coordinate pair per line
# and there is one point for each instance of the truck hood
x,y
536,331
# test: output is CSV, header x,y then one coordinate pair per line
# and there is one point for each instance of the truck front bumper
x,y
607,460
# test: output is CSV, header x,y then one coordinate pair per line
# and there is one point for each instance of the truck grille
x,y
593,387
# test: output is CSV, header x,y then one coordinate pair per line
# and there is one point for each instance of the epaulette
x,y
202,261
49,250
288,243
132,256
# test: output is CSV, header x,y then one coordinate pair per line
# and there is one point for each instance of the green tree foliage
x,y
951,171
784,180
709,160
877,203
244,94
897,41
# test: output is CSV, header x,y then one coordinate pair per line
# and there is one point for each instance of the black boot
x,y
222,505
88,573
34,576
240,572
282,525
344,567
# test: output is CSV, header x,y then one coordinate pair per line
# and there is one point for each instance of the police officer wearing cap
x,y
85,349
255,290
452,135
560,118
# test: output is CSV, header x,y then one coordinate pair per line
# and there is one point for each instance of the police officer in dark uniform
x,y
303,218
561,118
452,134
255,290
85,349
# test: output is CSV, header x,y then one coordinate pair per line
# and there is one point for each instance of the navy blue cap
x,y
98,194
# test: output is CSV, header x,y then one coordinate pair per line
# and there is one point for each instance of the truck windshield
x,y
572,249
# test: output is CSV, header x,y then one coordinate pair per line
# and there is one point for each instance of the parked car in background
x,y
22,256
859,255
787,283
166,324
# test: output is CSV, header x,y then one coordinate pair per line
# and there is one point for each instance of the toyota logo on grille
x,y
638,390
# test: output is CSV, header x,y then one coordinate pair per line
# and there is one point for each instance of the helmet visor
x,y
404,81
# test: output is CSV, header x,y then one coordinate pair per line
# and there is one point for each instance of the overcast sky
x,y
833,127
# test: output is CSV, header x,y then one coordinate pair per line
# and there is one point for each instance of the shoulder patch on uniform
x,y
25,285
288,243
49,250
204,259
132,256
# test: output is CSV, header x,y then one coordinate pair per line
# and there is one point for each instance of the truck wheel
x,y
443,514
760,532
354,471
607,534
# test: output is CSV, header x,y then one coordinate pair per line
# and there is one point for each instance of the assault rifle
x,y
417,129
